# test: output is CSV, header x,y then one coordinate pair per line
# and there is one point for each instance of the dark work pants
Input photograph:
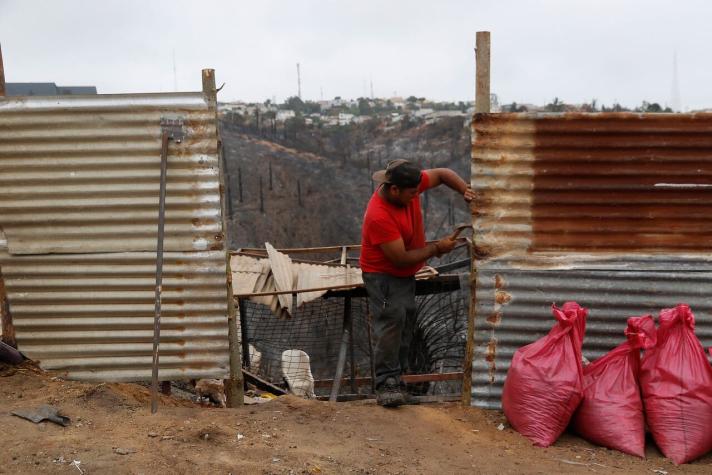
x,y
391,301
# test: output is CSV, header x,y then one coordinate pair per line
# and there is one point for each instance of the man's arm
x,y
396,253
438,176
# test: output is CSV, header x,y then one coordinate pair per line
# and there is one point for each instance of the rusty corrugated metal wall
x,y
79,210
609,210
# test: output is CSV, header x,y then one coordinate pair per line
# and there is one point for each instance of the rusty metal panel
x,y
79,181
609,210
80,174
592,182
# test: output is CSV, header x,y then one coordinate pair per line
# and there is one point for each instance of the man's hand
x,y
445,245
469,194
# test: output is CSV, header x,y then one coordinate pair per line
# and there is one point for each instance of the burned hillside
x,y
320,180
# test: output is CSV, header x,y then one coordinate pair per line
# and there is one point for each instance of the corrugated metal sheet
x,y
592,182
80,174
79,208
605,209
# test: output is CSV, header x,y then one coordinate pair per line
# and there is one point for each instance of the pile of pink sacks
x,y
609,401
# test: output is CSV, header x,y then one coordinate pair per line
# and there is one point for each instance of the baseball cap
x,y
400,172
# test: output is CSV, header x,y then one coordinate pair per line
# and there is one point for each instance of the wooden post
x,y
482,85
482,105
234,389
8,329
2,75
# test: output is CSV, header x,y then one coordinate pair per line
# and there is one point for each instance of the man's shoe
x,y
407,397
389,394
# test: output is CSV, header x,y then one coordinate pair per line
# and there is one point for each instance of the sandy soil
x,y
112,431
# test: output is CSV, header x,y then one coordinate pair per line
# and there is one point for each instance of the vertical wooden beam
x,y
482,105
209,90
2,75
482,84
8,329
234,389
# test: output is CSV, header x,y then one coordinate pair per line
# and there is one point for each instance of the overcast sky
x,y
611,50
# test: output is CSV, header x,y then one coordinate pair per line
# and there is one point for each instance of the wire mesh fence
x,y
307,345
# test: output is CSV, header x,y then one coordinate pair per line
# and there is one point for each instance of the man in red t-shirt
x,y
393,249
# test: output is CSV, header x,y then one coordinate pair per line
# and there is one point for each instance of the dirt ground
x,y
112,431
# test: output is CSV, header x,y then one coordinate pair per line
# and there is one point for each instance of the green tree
x,y
296,104
364,108
555,106
311,107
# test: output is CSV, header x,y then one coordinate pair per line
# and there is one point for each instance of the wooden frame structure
x,y
445,282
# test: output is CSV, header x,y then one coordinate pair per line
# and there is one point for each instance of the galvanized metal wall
x,y
609,210
79,209
80,174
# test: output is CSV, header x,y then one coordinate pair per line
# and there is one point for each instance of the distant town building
x,y
45,89
285,114
345,119
437,115
423,112
398,102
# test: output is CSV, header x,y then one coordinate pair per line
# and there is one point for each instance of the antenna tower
x,y
299,83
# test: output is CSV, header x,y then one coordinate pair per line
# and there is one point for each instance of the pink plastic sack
x,y
545,380
676,382
611,412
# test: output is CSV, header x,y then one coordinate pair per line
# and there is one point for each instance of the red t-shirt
x,y
385,222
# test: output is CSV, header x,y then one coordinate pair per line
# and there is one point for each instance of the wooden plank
x,y
482,105
297,291
407,378
424,378
262,384
482,85
306,250
234,386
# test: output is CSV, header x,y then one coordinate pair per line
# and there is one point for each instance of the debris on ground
x,y
43,413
